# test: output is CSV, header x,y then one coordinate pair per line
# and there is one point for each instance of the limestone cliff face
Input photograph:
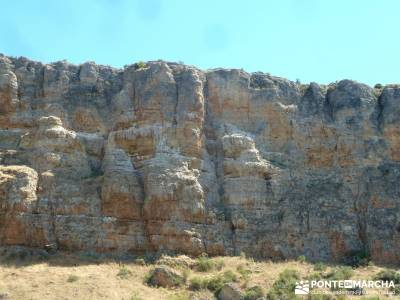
x,y
166,157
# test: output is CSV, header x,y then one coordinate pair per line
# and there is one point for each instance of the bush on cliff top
x,y
140,65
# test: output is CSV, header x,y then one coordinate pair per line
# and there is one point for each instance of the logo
x,y
345,287
302,288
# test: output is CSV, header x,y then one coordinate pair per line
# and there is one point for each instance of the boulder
x,y
230,292
164,276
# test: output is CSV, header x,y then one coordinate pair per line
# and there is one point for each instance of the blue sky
x,y
312,40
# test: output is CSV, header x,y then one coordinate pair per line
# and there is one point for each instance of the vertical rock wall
x,y
170,158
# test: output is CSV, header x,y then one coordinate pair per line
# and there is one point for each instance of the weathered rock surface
x,y
230,292
174,159
165,277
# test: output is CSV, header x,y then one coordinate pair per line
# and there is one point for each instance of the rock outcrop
x,y
166,277
166,157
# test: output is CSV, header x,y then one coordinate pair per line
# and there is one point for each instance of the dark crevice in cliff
x,y
379,117
328,107
175,112
53,239
134,100
362,227
360,207
41,82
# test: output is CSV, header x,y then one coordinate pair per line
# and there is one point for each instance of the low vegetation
x,y
205,264
283,287
301,259
244,272
358,258
140,261
72,278
91,256
140,65
181,295
213,283
320,267
378,88
124,272
340,273
253,293
135,296
388,275
93,276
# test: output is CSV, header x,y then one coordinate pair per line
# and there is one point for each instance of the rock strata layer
x,y
166,157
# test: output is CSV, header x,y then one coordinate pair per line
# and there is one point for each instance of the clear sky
x,y
312,40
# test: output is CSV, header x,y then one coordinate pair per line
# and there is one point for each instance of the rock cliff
x,y
166,157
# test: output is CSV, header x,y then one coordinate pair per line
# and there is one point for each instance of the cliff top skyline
x,y
307,40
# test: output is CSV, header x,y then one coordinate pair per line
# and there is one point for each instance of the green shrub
x,y
245,273
301,259
320,297
72,278
289,274
219,264
341,273
357,258
198,283
388,275
378,86
253,293
139,261
90,256
185,274
204,264
147,277
229,276
214,283
303,88
140,65
124,272
135,296
283,287
315,276
396,290
320,267
183,295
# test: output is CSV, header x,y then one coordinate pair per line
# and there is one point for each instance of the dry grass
x,y
55,279
67,276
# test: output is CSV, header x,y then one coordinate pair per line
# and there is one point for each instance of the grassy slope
x,y
67,276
